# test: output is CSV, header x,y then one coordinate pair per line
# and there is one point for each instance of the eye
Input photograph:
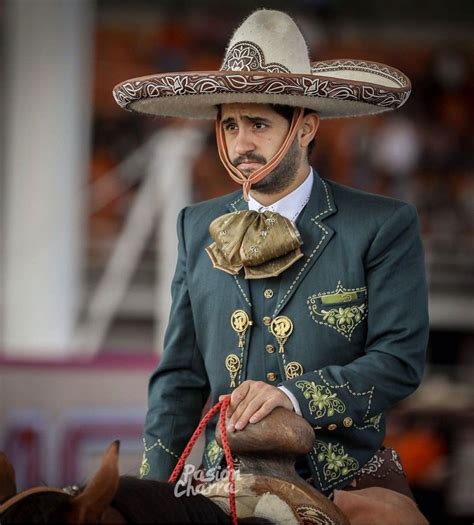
x,y
260,125
231,126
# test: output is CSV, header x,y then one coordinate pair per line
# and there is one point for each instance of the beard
x,y
281,177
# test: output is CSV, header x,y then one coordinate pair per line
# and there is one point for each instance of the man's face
x,y
253,135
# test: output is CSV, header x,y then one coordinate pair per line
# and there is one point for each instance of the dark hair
x,y
287,112
43,507
144,500
137,500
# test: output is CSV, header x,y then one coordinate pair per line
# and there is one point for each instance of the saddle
x,y
267,485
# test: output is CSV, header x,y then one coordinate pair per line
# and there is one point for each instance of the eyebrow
x,y
228,120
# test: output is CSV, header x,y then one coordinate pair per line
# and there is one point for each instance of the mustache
x,y
249,158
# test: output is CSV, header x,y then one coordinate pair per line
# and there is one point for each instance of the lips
x,y
249,165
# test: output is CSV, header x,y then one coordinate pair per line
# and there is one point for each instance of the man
x,y
300,292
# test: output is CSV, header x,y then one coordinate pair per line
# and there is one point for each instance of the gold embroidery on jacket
x,y
344,319
374,421
341,297
213,451
323,401
336,462
158,443
144,467
371,422
347,386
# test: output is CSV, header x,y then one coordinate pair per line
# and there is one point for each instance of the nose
x,y
243,142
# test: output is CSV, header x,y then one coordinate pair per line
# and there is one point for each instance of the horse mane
x,y
148,501
143,501
138,500
43,507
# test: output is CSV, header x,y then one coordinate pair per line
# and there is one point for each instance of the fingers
x,y
239,395
252,401
248,393
255,412
262,412
245,411
236,398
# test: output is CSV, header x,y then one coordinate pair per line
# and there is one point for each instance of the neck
x,y
267,199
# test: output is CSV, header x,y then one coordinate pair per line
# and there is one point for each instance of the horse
x,y
107,498
268,489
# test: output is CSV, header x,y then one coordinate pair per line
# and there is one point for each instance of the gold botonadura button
x,y
267,321
270,349
271,376
232,363
268,294
293,369
332,426
281,327
347,422
240,322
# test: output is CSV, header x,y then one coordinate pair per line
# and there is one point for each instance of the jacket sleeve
x,y
179,388
397,335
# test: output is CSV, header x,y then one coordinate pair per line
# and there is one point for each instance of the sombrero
x,y
267,62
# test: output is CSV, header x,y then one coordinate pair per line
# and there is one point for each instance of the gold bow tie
x,y
264,244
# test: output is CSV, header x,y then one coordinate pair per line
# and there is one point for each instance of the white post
x,y
172,164
48,61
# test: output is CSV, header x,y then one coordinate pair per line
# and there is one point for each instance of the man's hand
x,y
252,401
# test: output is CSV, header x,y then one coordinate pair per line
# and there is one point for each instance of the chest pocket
x,y
342,309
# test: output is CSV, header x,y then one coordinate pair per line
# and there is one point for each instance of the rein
x,y
26,493
221,406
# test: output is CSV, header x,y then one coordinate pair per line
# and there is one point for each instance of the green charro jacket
x,y
358,304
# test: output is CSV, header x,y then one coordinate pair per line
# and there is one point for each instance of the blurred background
x,y
89,195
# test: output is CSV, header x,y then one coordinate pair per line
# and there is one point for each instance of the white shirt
x,y
290,206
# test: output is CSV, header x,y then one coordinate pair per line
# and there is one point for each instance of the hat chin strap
x,y
260,173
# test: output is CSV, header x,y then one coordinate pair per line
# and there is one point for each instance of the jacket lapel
x,y
315,235
240,204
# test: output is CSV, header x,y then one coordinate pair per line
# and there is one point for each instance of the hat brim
x,y
337,88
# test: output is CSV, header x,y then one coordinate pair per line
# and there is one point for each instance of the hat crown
x,y
267,41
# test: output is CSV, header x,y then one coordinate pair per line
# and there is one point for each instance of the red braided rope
x,y
222,406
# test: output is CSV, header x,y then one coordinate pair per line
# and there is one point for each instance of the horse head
x,y
53,505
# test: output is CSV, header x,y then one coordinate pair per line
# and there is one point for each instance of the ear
x,y
309,128
91,503
7,479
